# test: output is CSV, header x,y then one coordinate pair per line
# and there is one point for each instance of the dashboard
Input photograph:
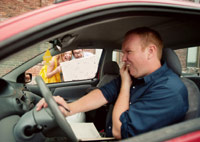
x,y
15,99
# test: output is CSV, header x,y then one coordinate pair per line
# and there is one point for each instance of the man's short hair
x,y
148,36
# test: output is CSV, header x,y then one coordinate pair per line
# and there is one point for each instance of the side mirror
x,y
28,77
24,78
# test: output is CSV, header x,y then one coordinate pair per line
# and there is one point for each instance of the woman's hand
x,y
62,104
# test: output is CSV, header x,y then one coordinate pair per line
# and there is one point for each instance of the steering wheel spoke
x,y
59,117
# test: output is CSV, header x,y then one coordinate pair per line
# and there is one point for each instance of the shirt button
x,y
109,127
133,87
130,103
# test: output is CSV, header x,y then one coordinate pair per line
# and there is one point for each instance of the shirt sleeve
x,y
111,90
149,111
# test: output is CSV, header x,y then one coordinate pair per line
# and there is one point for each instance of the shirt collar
x,y
156,74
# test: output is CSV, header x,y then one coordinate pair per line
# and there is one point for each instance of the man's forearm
x,y
121,105
92,100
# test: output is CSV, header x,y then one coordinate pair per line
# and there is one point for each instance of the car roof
x,y
114,17
49,13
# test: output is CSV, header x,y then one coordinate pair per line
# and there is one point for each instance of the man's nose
x,y
124,58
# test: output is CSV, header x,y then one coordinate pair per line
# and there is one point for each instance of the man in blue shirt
x,y
147,95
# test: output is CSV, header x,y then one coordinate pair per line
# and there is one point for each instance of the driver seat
x,y
173,62
110,72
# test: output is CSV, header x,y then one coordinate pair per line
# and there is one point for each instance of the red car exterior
x,y
24,22
15,28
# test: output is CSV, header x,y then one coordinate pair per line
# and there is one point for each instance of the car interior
x,y
178,28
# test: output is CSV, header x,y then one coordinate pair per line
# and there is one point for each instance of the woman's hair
x,y
59,57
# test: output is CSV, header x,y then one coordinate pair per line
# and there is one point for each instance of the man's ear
x,y
151,51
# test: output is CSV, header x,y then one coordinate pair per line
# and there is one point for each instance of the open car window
x,y
190,60
117,57
72,69
15,60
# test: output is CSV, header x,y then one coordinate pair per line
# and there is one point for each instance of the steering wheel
x,y
60,119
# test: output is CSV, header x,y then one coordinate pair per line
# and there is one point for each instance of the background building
x,y
11,8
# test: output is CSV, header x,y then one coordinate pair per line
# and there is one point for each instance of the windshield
x,y
15,60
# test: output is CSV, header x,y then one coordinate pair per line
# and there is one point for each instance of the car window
x,y
190,60
15,60
117,57
81,65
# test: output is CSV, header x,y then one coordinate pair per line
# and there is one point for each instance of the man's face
x,y
78,53
134,57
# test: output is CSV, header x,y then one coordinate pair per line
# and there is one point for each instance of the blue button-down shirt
x,y
156,100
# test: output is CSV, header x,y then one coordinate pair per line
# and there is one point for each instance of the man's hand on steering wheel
x,y
57,106
62,104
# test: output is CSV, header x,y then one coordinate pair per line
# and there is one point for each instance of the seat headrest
x,y
111,67
172,60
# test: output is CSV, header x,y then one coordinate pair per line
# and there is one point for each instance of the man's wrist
x,y
125,85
